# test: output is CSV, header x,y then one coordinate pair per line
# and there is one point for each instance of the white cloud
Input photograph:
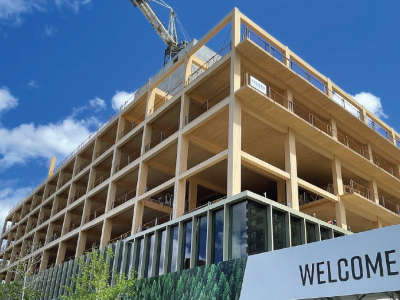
x,y
48,31
32,84
7,101
98,103
14,10
371,102
28,141
120,98
9,196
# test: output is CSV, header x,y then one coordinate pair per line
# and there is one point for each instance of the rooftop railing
x,y
209,63
277,54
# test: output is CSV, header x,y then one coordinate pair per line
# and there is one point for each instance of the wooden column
x,y
333,124
121,127
370,154
289,96
106,233
373,191
45,260
81,245
151,95
378,223
330,88
286,57
292,189
340,209
111,193
137,217
234,180
62,248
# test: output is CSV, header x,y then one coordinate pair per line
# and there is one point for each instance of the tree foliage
x,y
222,281
93,281
25,274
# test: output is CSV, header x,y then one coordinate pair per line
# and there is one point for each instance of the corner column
x,y
340,209
292,189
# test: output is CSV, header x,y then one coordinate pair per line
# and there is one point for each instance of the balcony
x,y
264,55
358,199
284,112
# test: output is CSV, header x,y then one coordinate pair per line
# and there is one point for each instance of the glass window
x,y
325,233
149,260
311,232
128,265
173,249
257,229
139,256
296,231
201,241
187,245
238,230
218,236
279,229
162,237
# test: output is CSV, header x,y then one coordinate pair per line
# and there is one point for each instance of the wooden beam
x,y
264,167
158,207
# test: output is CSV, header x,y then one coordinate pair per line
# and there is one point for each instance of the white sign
x,y
258,85
362,263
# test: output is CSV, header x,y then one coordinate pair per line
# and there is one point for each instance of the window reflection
x,y
311,232
218,236
257,228
173,250
324,234
201,241
139,257
149,260
161,252
279,229
296,231
238,230
187,244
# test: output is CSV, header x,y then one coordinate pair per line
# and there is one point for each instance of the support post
x,y
192,194
292,190
373,191
340,209
106,233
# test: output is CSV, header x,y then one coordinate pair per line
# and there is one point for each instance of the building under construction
x,y
224,153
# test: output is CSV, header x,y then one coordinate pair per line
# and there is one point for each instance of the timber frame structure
x,y
254,117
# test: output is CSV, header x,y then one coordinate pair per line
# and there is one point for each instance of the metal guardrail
x,y
129,159
277,54
120,200
162,137
100,180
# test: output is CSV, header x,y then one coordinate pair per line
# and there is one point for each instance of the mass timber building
x,y
222,154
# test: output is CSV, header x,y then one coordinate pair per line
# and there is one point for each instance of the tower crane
x,y
168,35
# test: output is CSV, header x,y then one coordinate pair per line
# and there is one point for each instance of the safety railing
x,y
82,166
50,193
166,199
197,111
383,164
354,187
131,126
168,95
60,208
209,63
88,139
53,237
121,237
397,142
124,198
29,229
162,137
277,54
129,159
355,146
205,205
395,208
98,212
77,196
345,104
157,221
378,128
65,180
72,226
43,220
319,124
103,150
100,180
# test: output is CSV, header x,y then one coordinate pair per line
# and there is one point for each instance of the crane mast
x,y
169,36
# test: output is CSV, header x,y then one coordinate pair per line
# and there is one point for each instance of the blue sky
x,y
64,65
